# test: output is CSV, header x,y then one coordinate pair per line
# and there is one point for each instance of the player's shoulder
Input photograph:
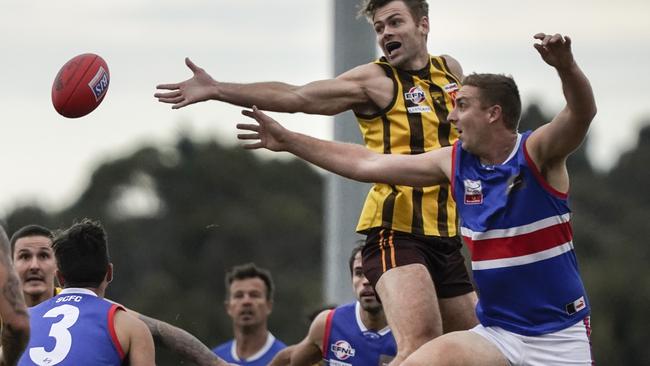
x,y
223,348
367,71
453,65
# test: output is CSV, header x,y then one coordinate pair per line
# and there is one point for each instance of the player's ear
x,y
495,113
424,24
109,273
59,277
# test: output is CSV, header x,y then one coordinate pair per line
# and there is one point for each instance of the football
x,y
80,86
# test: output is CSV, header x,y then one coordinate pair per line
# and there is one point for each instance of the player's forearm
x,y
181,342
578,93
345,159
271,96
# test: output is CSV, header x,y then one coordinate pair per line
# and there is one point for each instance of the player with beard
x,y
355,333
249,302
412,255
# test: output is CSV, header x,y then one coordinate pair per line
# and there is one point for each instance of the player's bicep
x,y
557,139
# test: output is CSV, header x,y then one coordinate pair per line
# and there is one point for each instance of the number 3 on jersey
x,y
58,331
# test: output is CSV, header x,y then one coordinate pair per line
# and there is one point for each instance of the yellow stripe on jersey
x,y
414,122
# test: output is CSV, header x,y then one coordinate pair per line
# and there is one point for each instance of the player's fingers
x,y
192,65
248,136
247,113
181,104
567,40
539,36
248,127
539,48
172,94
168,86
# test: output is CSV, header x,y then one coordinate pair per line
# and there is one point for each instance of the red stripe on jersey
x,y
328,330
111,329
520,245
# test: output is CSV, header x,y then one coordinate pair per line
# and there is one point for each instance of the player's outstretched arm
x,y
553,142
348,160
15,319
135,339
308,351
327,97
180,342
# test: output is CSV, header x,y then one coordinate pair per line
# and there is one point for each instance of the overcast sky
x,y
48,158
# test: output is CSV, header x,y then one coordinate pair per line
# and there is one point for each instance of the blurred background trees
x,y
178,218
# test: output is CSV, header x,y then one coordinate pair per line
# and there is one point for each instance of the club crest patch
x,y
473,192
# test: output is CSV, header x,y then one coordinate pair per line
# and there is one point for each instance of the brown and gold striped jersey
x,y
414,122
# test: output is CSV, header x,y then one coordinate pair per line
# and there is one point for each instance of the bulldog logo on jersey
x,y
473,192
416,96
342,350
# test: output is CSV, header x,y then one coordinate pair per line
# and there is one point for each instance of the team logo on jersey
x,y
99,83
416,96
452,90
576,306
473,192
342,350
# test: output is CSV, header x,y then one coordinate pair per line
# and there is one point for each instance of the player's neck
x,y
374,321
418,62
33,300
250,341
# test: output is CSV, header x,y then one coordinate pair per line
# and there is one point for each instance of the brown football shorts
x,y
386,249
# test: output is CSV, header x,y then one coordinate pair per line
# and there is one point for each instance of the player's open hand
x,y
555,49
196,89
268,132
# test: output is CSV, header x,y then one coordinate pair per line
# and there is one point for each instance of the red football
x,y
80,85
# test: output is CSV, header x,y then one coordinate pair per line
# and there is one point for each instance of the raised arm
x,y
550,144
15,319
349,160
180,342
328,97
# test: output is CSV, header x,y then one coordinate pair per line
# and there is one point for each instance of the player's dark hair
x,y
81,253
246,271
499,90
418,8
355,250
30,230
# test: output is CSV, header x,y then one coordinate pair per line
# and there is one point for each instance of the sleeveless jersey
x,y
228,351
414,122
348,342
518,230
73,328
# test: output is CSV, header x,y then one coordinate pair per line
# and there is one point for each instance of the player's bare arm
x,y
15,319
180,342
308,351
349,160
552,143
135,339
355,89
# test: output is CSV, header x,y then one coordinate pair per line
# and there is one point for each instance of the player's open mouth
x,y
392,46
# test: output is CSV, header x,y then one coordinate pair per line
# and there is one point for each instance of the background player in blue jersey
x,y
351,334
33,256
249,302
15,326
512,192
78,326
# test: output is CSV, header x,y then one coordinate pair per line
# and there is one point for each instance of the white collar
x,y
269,342
77,290
362,327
